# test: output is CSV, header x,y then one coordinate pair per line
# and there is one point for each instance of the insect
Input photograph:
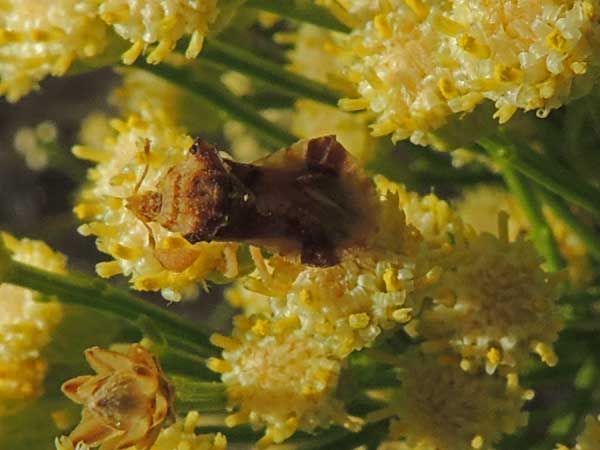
x,y
309,200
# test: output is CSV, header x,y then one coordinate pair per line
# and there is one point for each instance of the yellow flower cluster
x,y
419,62
494,307
120,163
43,37
149,96
353,13
279,377
439,224
480,206
493,304
306,320
476,300
161,22
181,436
438,406
589,439
26,325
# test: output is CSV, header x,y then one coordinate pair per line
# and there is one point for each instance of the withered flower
x,y
310,199
125,404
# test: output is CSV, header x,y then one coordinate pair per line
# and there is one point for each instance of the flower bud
x,y
125,403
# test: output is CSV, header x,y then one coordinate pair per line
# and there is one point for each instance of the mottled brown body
x,y
310,200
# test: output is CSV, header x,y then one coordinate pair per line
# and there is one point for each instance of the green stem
x,y
594,114
302,11
241,434
95,293
544,172
370,436
231,57
588,236
221,98
541,232
175,361
199,395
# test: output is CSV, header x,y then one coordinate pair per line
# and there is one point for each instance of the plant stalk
x,y
85,290
218,95
587,235
192,394
544,172
301,11
542,235
230,57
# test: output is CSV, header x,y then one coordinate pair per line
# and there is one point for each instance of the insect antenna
x,y
151,239
146,166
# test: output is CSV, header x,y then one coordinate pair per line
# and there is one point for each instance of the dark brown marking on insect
x,y
310,200
325,154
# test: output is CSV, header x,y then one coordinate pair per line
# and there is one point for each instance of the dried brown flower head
x,y
310,199
125,404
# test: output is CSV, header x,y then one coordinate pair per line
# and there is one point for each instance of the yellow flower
x,y
419,62
251,302
494,306
435,219
590,438
478,296
95,130
492,303
306,320
32,144
102,204
161,23
363,296
479,207
152,98
317,54
278,378
26,325
43,37
181,435
369,291
353,12
438,406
